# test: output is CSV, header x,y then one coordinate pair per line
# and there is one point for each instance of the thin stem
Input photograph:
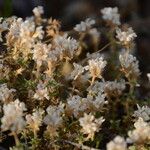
x,y
16,138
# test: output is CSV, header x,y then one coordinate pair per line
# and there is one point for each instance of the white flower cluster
x,y
111,14
41,92
54,115
142,112
125,36
5,93
129,64
77,104
141,133
84,25
118,143
114,87
40,53
78,70
148,75
34,121
66,46
13,116
38,11
90,124
96,66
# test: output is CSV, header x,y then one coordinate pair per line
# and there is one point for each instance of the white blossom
x,y
125,36
13,116
90,124
130,64
40,53
143,112
38,11
5,93
41,92
148,75
54,115
118,143
78,70
141,133
77,104
111,14
34,121
96,66
66,46
114,87
84,25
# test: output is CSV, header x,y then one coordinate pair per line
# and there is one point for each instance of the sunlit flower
x,y
38,11
125,36
141,133
13,116
41,92
90,125
34,121
84,25
143,112
111,14
118,143
95,67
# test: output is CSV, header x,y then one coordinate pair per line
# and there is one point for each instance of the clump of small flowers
x,y
90,125
58,91
118,143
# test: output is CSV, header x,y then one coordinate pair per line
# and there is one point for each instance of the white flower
x,y
143,112
90,125
54,115
111,14
13,116
40,53
141,133
66,46
41,92
96,66
129,64
125,36
148,75
35,120
78,70
118,143
5,93
77,104
84,25
114,87
38,11
94,32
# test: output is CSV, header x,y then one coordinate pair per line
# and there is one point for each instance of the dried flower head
x,y
41,92
111,14
130,66
38,11
142,112
118,143
95,67
66,46
84,25
13,116
90,125
34,121
125,37
6,94
141,133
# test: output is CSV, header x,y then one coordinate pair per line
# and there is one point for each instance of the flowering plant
x,y
55,93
